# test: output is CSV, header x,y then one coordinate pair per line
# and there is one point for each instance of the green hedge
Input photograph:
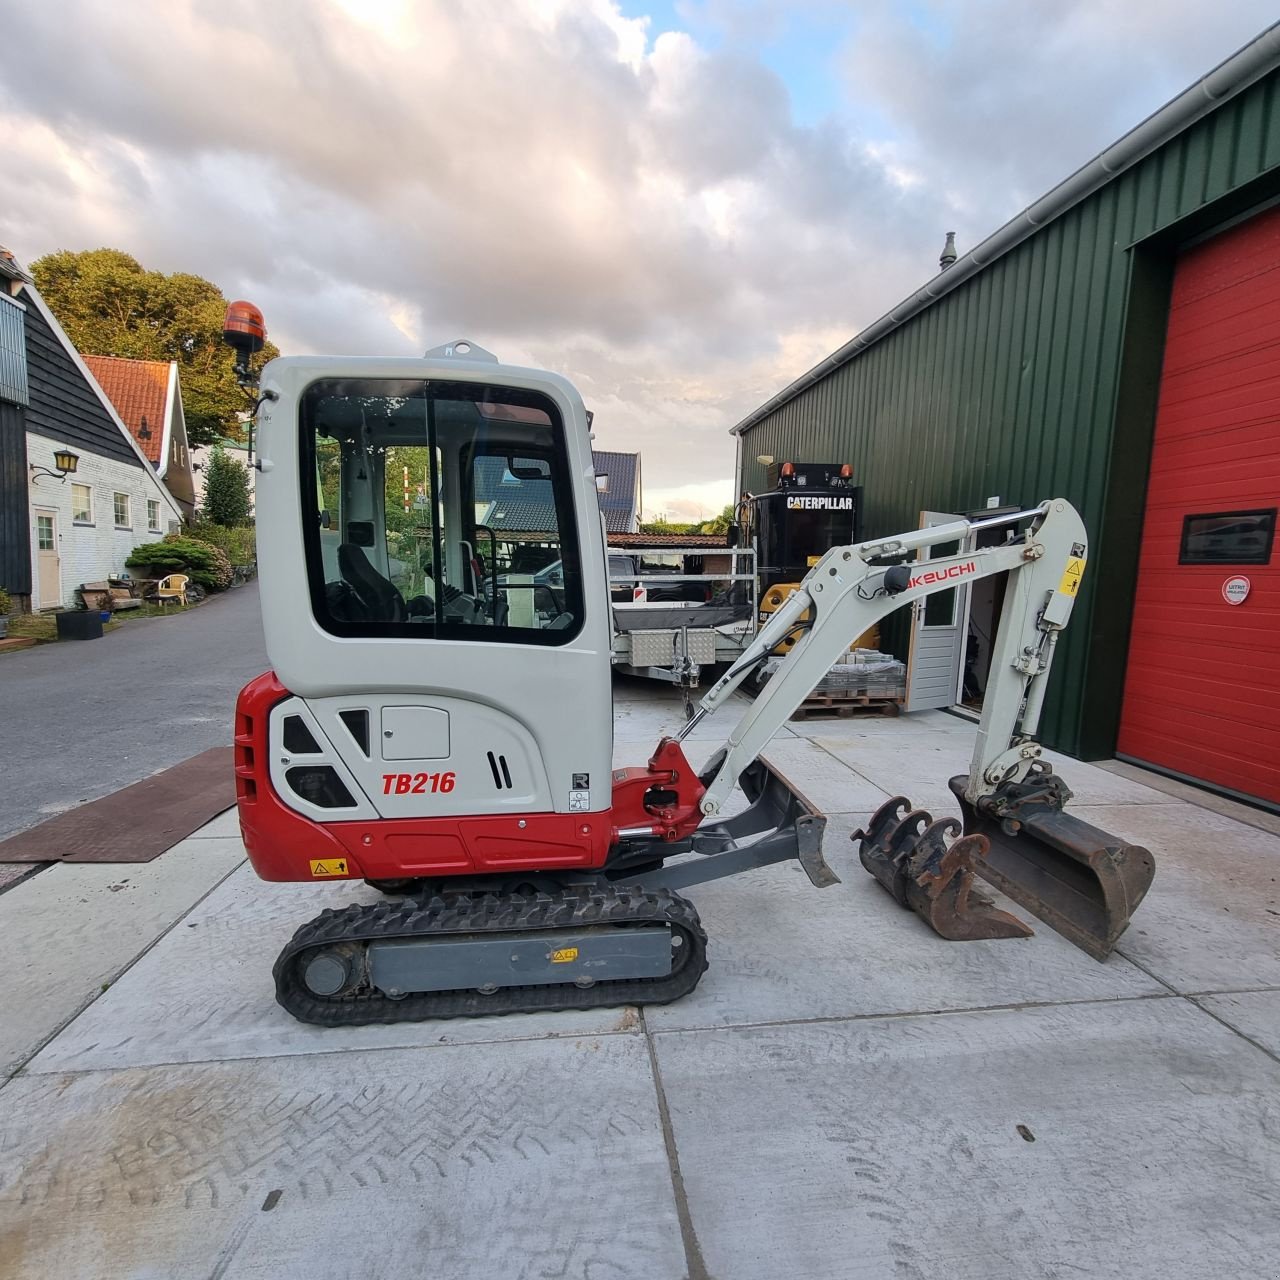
x,y
240,542
206,564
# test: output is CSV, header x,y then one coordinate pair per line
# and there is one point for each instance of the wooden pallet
x,y
843,704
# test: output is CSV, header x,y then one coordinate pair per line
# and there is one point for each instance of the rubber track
x,y
489,913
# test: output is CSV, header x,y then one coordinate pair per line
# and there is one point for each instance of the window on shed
x,y
1228,537
121,501
153,514
81,504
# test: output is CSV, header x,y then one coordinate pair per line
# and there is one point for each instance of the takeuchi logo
x,y
942,575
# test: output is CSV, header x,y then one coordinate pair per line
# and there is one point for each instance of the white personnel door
x,y
939,628
48,561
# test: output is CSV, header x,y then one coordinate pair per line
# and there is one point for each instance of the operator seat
x,y
378,594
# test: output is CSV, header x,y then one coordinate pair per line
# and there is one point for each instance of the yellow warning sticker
x,y
564,955
328,866
813,560
1071,579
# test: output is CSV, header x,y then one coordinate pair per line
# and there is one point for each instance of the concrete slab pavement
x,y
204,993
1255,1014
1211,921
525,1160
781,950
839,1097
74,927
891,1148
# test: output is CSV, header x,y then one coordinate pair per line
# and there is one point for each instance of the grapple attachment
x,y
1077,878
929,866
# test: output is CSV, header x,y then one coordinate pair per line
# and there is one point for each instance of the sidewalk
x,y
844,1095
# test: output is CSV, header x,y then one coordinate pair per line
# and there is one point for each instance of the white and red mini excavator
x,y
438,719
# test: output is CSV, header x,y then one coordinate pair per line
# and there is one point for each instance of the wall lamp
x,y
65,461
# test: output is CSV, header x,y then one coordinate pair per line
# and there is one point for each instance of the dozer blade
x,y
1077,878
928,867
780,823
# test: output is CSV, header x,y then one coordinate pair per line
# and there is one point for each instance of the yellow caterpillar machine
x,y
451,742
808,508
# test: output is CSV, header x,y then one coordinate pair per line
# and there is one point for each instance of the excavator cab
x,y
405,511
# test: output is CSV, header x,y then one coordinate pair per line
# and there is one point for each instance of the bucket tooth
x,y
928,866
1080,880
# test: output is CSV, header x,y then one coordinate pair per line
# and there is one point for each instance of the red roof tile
x,y
138,389
709,540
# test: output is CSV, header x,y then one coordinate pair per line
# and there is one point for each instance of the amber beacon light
x,y
245,331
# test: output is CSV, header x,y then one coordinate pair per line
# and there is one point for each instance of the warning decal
x,y
564,955
1071,579
328,866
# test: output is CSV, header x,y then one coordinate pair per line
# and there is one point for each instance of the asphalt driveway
x,y
83,719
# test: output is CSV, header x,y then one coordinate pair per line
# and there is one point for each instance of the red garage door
x,y
1202,690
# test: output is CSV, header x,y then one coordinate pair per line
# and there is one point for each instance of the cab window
x,y
438,509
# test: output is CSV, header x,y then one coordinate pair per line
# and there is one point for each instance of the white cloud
x,y
545,177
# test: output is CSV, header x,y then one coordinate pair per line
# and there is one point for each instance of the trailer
x,y
671,624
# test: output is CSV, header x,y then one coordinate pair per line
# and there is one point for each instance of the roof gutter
x,y
1238,72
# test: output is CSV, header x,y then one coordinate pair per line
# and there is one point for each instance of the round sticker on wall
x,y
1234,590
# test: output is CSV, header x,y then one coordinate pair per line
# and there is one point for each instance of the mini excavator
x,y
440,726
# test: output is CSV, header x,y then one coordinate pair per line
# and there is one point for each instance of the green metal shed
x,y
1031,367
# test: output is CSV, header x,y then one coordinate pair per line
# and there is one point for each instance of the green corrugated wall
x,y
1012,385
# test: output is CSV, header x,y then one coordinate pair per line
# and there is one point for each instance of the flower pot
x,y
78,624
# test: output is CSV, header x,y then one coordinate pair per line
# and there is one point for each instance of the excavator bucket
x,y
928,867
1078,879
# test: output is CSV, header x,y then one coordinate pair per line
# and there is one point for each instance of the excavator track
x,y
339,941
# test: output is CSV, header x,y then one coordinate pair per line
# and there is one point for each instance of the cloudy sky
x,y
681,205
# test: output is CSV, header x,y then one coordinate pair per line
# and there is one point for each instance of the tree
x,y
662,525
226,489
110,305
717,524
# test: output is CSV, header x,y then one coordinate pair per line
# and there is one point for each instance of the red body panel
x,y
282,843
1202,689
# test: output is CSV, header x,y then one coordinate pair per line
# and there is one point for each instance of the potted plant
x,y
4,613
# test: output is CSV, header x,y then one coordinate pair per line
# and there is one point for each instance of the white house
x,y
83,525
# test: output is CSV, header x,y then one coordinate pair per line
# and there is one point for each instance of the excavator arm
x,y
1079,880
853,587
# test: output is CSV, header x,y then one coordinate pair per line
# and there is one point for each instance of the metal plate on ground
x,y
520,959
137,823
